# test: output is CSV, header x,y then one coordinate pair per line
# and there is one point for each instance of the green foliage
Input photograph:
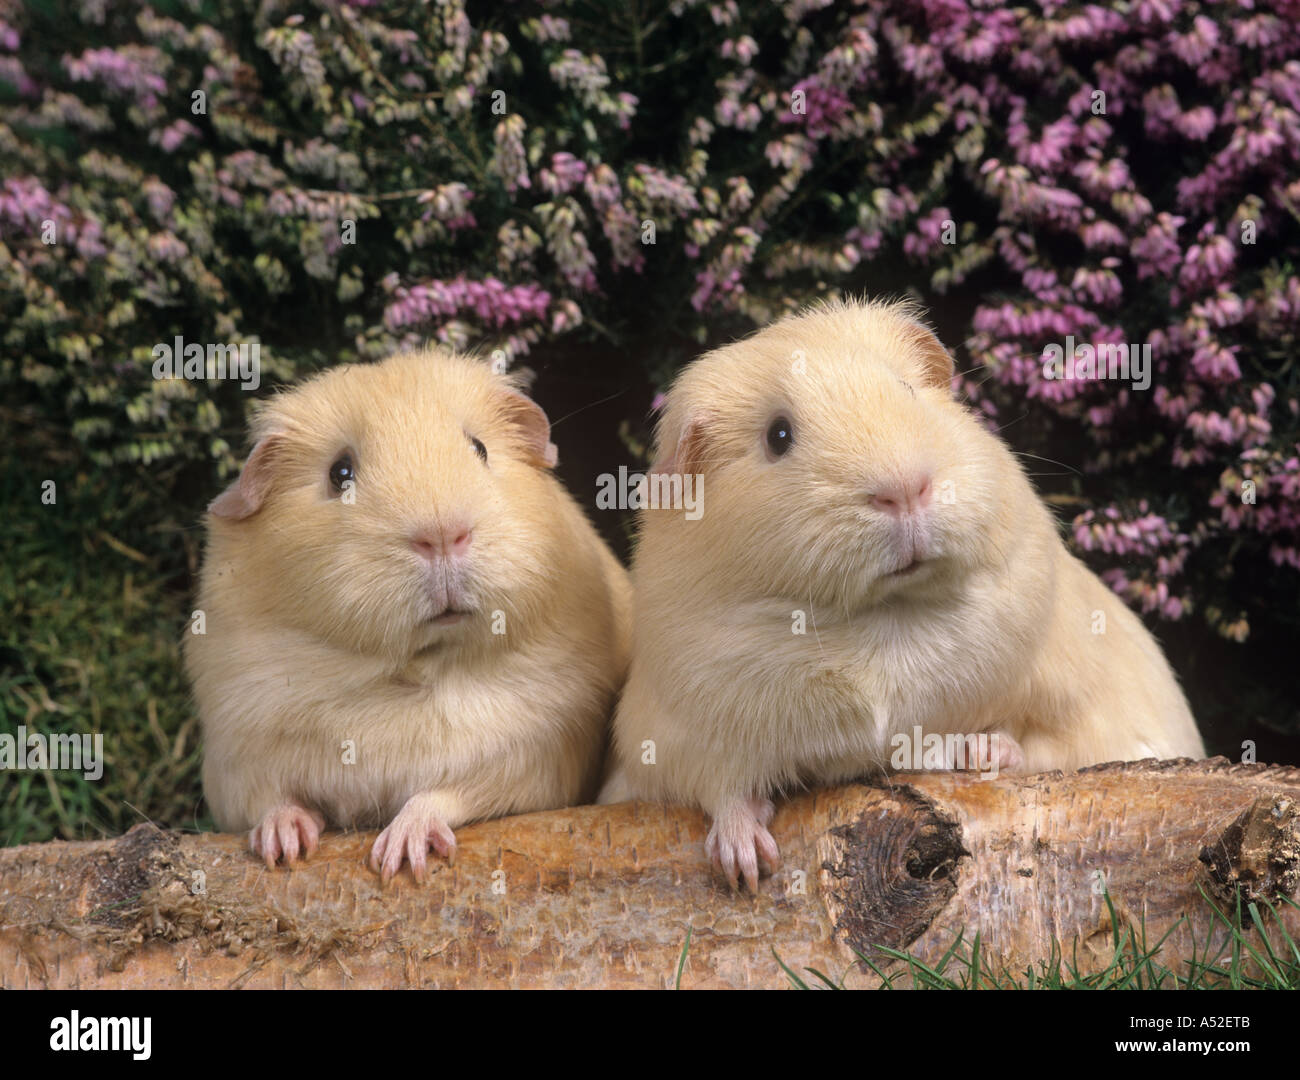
x,y
90,643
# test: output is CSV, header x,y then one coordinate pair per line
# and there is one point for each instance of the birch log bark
x,y
604,896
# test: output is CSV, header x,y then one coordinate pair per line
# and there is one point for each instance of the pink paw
x,y
409,837
289,830
739,843
1008,755
986,753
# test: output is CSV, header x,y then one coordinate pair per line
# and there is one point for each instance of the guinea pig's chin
x,y
896,581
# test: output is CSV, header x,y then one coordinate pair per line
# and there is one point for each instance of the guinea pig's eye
x,y
780,437
341,472
479,448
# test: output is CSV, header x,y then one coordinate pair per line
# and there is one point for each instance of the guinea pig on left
x,y
408,622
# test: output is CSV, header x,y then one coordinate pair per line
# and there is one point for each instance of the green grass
x,y
89,642
1257,954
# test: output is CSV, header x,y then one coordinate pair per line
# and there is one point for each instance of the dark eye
x,y
341,472
780,437
479,448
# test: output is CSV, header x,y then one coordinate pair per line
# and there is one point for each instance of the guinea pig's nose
x,y
442,543
905,497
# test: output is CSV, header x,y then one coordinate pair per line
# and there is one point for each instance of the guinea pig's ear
x,y
244,497
527,416
936,361
687,457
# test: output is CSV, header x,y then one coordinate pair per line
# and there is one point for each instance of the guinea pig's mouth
x,y
909,569
448,617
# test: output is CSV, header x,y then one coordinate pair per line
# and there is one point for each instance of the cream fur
x,y
995,634
317,614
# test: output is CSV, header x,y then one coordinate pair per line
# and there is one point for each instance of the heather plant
x,y
333,180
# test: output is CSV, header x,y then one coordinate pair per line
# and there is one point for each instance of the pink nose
x,y
902,498
442,543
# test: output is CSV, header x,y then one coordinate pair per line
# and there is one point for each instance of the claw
x,y
415,829
739,845
289,830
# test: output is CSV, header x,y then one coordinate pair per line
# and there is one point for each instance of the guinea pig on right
x,y
865,562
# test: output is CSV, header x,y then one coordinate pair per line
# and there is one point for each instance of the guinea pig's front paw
x,y
288,830
739,843
986,753
1008,754
417,827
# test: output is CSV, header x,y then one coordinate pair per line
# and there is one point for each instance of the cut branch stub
x,y
1257,857
886,875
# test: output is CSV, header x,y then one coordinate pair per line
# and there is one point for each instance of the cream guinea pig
x,y
409,622
845,492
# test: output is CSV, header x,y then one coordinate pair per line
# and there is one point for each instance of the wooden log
x,y
604,896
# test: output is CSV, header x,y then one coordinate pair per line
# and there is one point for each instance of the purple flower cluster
x,y
489,300
1108,175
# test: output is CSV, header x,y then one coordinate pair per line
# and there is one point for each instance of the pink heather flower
x,y
552,28
1158,252
602,187
509,162
675,191
825,108
1156,12
568,246
740,196
167,248
13,72
128,70
1195,47
159,196
848,64
1100,179
1102,234
1101,286
1216,363
724,14
1288,556
566,173
1049,151
25,202
867,243
1160,110
585,75
173,136
449,203
929,229
88,235
1090,24
489,300
922,60
622,229
1210,427
1040,281
1223,309
743,48
567,316
1207,261
1258,32
1197,123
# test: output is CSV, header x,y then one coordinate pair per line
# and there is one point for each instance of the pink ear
x,y
245,496
526,415
936,361
688,456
